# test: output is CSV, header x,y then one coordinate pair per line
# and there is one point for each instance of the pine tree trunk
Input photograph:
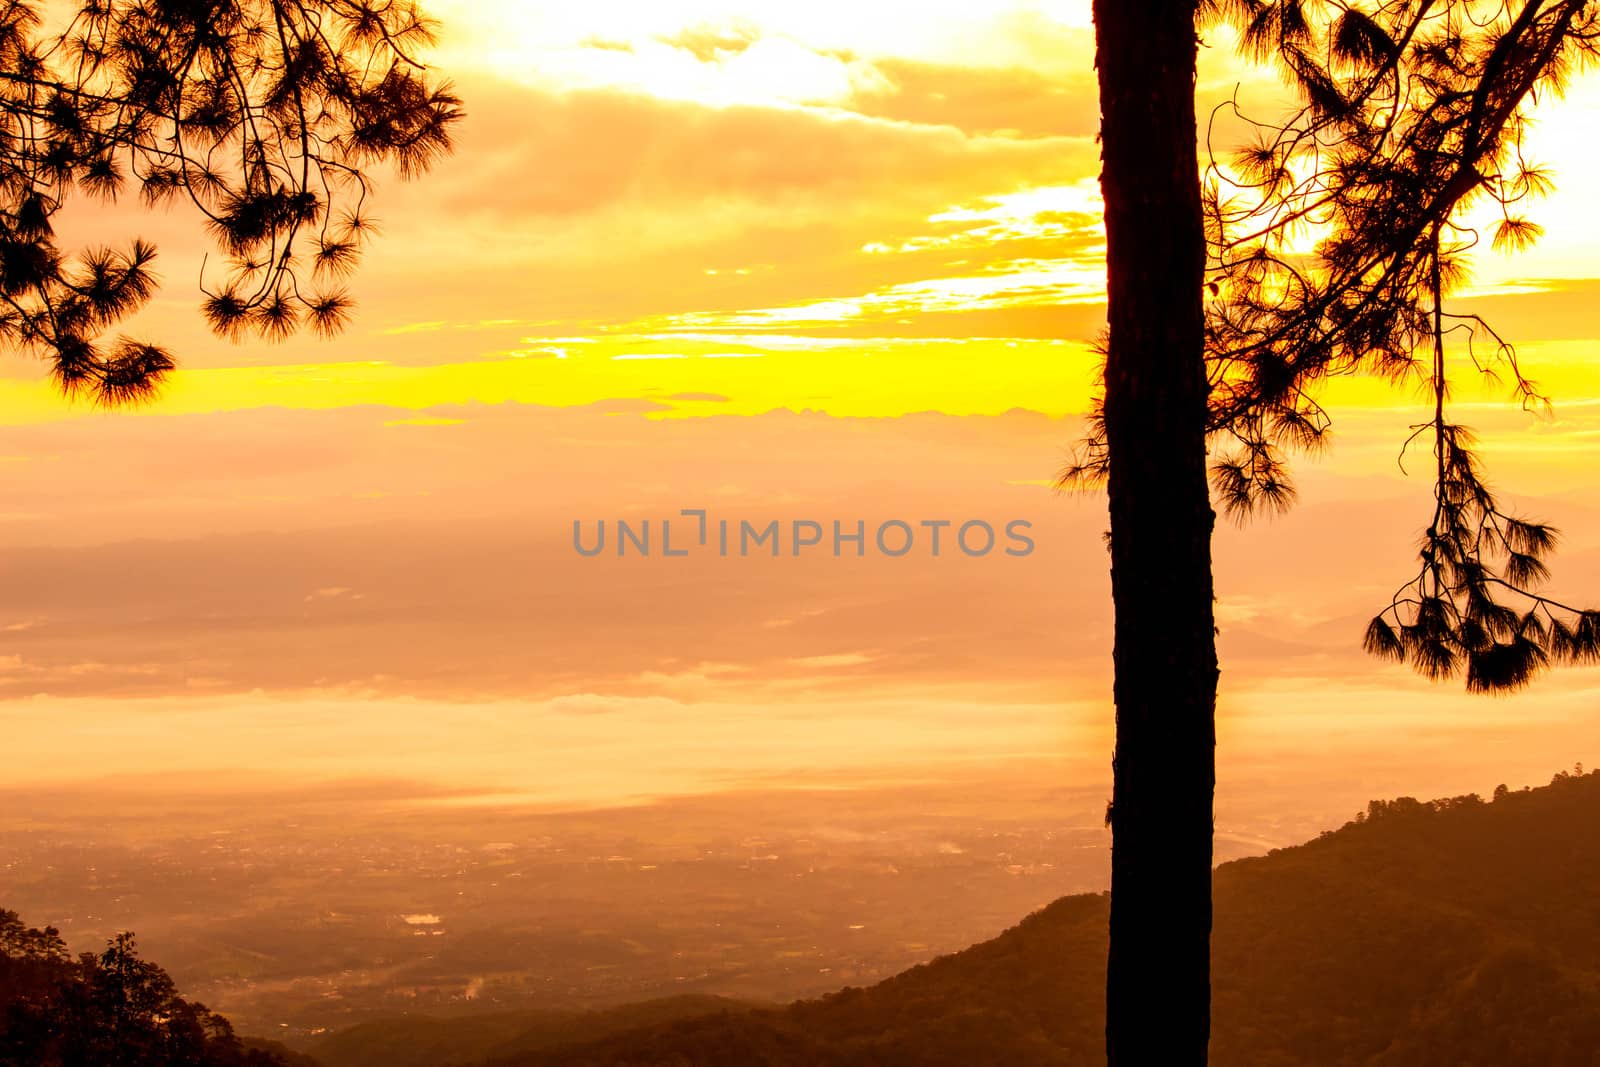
x,y
1158,982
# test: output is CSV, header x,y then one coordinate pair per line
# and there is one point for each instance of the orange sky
x,y
781,260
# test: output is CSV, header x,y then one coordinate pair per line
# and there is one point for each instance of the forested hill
x,y
111,1009
1458,932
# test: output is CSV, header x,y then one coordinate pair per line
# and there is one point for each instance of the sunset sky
x,y
781,261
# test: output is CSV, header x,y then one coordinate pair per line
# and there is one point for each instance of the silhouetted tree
x,y
110,1008
1154,451
262,114
1413,109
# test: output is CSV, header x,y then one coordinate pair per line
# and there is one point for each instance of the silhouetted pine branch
x,y
1413,112
262,114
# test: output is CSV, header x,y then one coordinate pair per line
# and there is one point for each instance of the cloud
x,y
1011,101
177,631
529,154
1539,309
601,704
423,420
567,211
709,43
468,583
171,563
834,660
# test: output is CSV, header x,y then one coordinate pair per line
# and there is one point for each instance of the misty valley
x,y
1460,931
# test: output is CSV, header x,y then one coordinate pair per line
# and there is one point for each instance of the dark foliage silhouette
x,y
101,1010
265,116
1412,111
1412,115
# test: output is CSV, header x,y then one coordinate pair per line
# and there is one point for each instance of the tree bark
x,y
1158,981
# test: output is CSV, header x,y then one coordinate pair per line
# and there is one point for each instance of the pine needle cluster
x,y
265,116
1336,239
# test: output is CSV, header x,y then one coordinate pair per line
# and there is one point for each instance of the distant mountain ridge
x,y
1458,932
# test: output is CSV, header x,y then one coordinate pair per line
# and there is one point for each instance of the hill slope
x,y
424,1041
1458,932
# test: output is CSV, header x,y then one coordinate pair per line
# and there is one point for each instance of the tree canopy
x,y
113,1007
266,117
1336,240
